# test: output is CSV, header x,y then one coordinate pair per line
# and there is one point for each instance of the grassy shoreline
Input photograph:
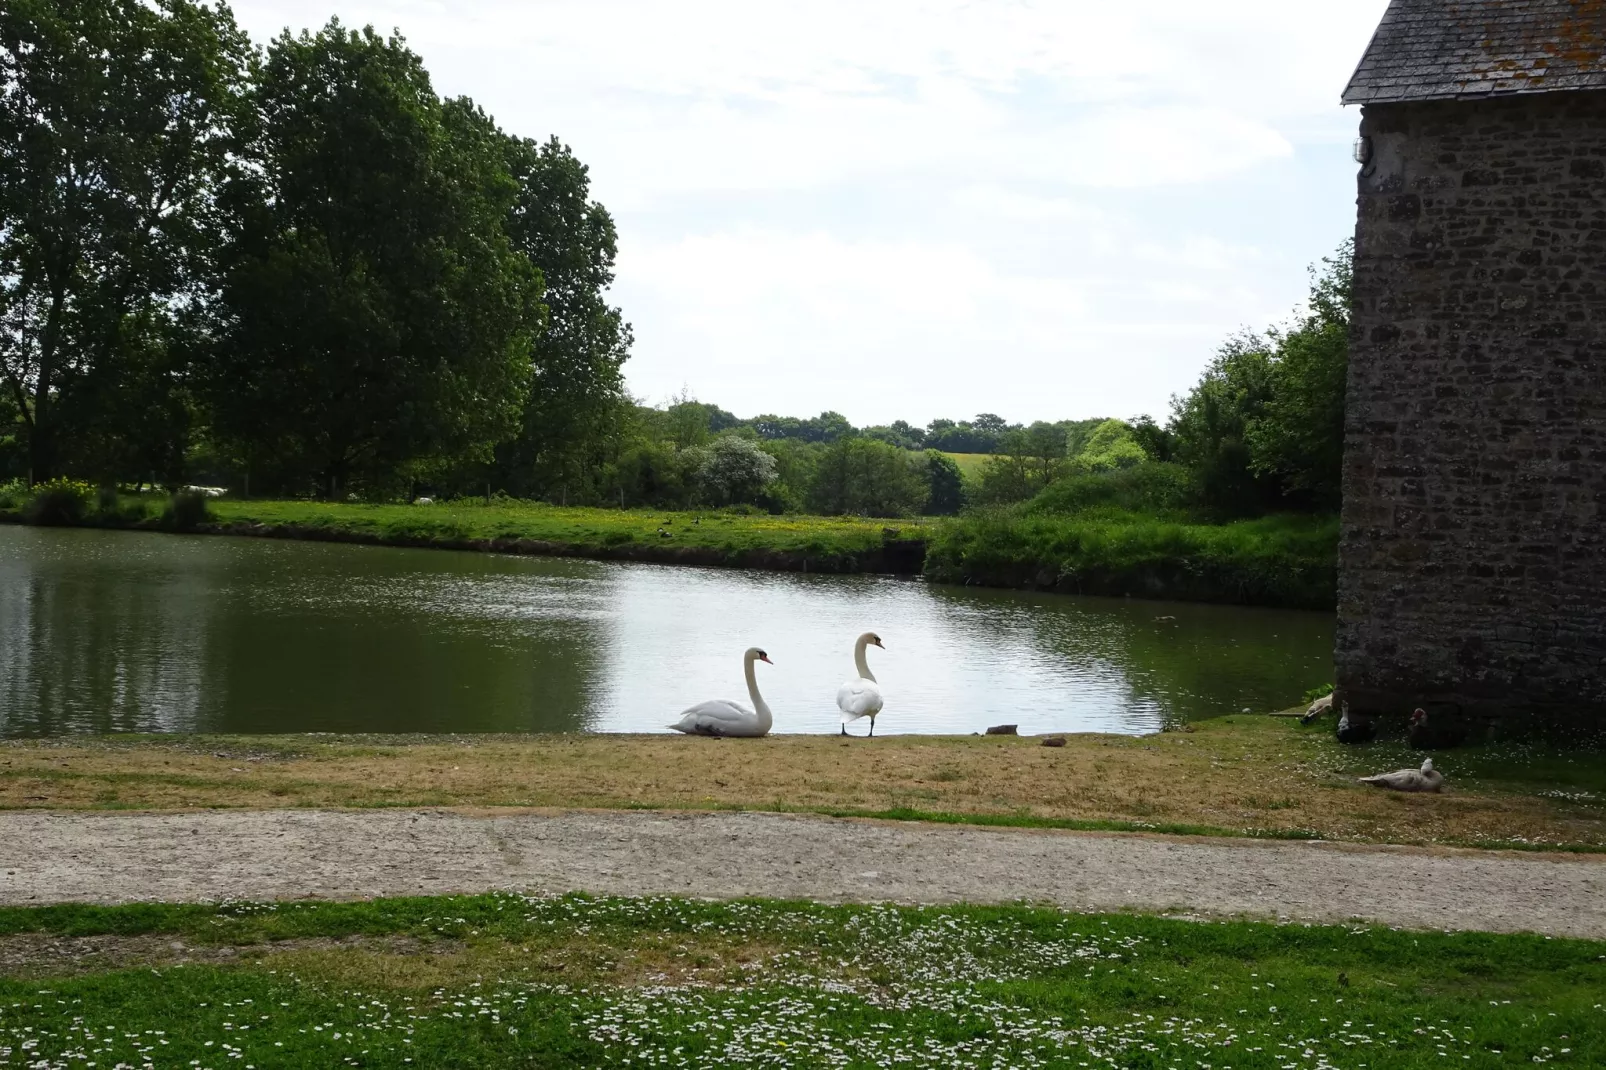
x,y
1277,561
1284,561
784,543
1244,775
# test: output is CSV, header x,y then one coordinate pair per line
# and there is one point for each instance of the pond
x,y
124,632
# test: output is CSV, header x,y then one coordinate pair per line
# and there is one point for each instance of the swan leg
x,y
872,726
844,728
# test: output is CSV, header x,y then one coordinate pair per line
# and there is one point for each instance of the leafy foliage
x,y
119,126
186,510
1299,436
945,485
1266,422
1111,446
863,477
59,501
734,471
574,406
380,315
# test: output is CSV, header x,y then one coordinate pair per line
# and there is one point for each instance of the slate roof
x,y
1450,49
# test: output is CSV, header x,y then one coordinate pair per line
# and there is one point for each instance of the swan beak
x,y
765,658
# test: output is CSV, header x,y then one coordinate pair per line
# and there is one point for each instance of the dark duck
x,y
1435,734
1357,731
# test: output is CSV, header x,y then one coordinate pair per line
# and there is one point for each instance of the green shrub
x,y
1154,487
59,502
1276,561
13,494
186,510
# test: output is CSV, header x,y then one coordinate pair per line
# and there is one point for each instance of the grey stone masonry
x,y
1472,560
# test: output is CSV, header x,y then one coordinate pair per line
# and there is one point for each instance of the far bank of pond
x,y
1287,562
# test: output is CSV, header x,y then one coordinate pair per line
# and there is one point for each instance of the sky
x,y
912,209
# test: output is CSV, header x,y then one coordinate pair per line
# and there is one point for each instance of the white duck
x,y
861,697
722,717
1425,779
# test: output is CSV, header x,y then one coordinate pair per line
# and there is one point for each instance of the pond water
x,y
122,632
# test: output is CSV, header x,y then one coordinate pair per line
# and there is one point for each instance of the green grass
x,y
971,464
575,527
1279,560
504,980
704,536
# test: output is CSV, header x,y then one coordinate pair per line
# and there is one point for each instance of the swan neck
x,y
858,660
760,707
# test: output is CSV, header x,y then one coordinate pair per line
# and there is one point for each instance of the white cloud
x,y
881,198
814,322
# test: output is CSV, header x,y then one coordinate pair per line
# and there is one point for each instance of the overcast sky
x,y
922,208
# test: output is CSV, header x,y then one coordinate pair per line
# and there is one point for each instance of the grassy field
x,y
576,527
1244,775
1278,561
971,464
506,980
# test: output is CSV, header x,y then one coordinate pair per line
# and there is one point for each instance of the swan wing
x,y
718,717
858,698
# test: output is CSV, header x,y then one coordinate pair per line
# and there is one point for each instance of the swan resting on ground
x,y
1317,708
1425,779
861,697
722,717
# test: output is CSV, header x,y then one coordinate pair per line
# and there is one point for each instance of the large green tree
x,y
118,123
1299,435
1210,426
380,320
576,403
1264,427
860,476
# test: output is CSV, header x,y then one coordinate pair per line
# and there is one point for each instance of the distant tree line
x,y
300,271
297,269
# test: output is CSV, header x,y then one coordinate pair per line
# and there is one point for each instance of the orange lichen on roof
x,y
1441,49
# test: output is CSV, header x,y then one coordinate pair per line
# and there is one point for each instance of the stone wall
x,y
1472,562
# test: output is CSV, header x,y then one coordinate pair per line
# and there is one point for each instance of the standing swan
x,y
722,717
861,697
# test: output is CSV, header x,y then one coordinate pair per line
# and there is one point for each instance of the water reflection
x,y
115,632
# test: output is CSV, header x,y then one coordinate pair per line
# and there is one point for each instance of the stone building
x,y
1472,561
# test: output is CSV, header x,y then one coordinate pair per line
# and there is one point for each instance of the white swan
x,y
722,717
861,697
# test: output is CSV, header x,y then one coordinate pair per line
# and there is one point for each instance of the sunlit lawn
x,y
505,980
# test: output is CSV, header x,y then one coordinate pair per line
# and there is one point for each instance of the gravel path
x,y
282,854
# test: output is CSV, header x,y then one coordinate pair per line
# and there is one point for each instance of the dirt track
x,y
280,854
